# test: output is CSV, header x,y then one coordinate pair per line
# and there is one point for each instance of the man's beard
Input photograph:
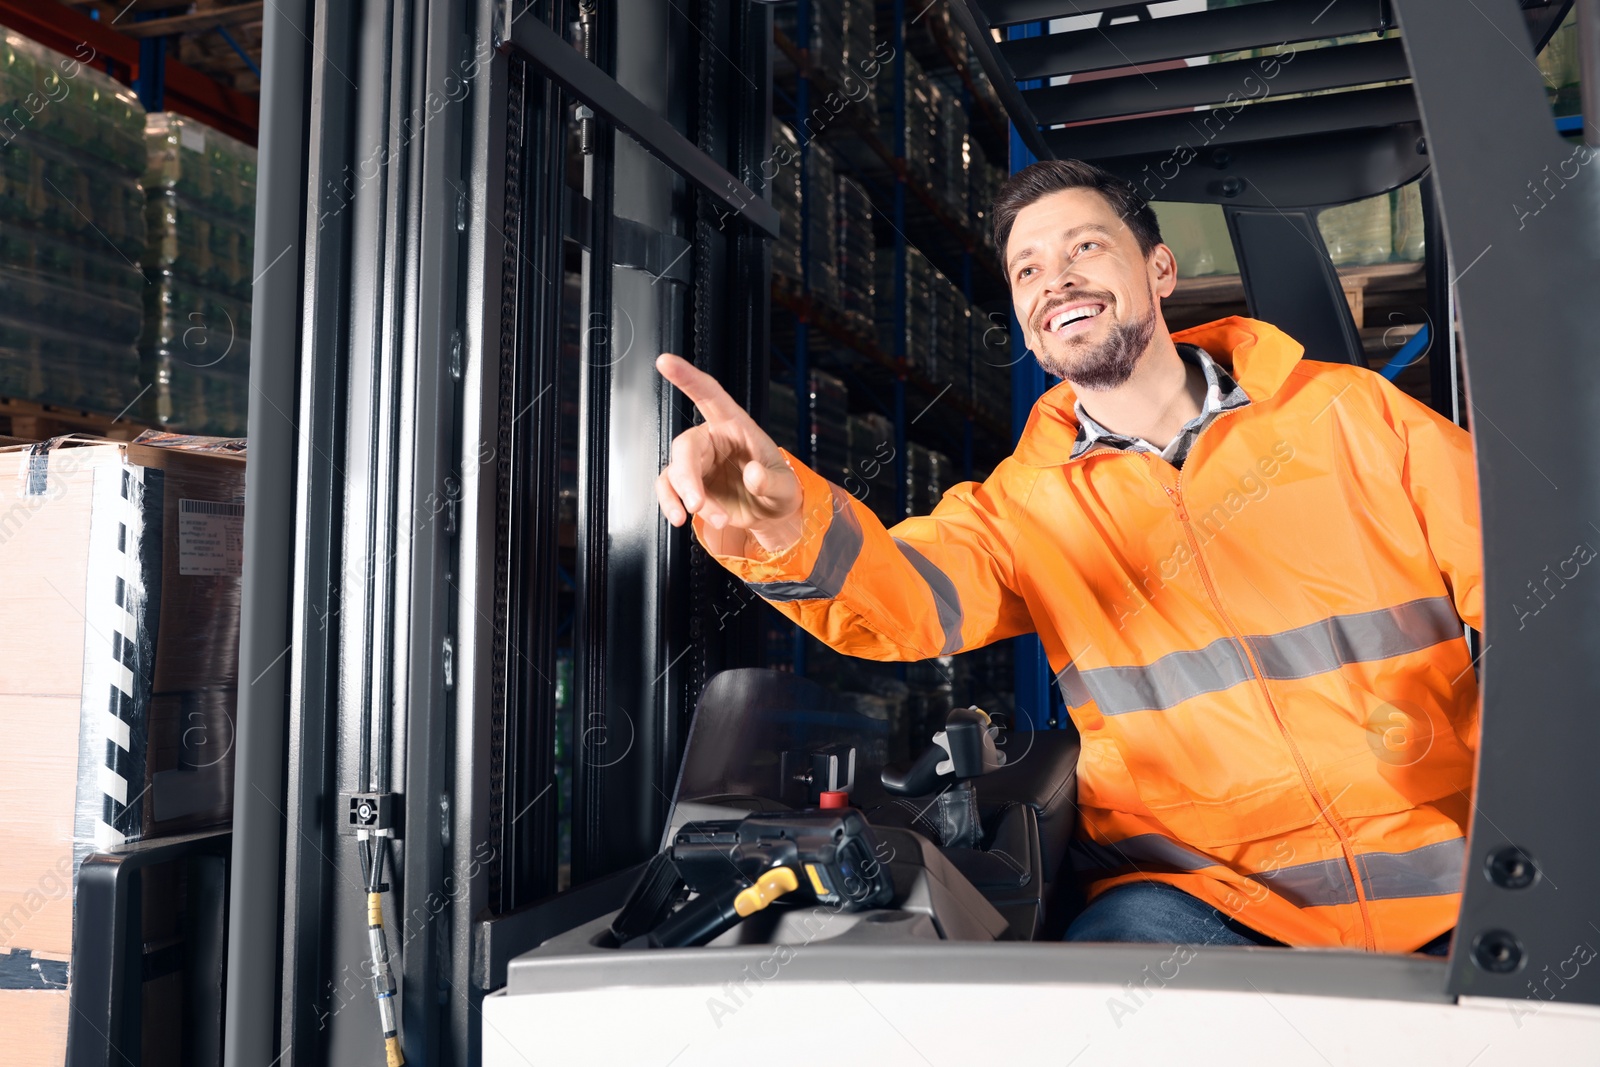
x,y
1109,364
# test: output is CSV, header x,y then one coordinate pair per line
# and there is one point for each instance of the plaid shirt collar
x,y
1222,394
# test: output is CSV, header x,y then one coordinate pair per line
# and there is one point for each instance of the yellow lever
x,y
769,887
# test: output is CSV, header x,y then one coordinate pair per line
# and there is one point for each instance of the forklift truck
x,y
458,195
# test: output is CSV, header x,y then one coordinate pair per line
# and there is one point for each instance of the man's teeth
x,y
1073,316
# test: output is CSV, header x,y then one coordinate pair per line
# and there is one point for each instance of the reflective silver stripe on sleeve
x,y
1331,643
1136,851
1319,647
1430,871
945,596
1311,885
1170,680
841,544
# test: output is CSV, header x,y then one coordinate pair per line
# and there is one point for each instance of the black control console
x,y
971,833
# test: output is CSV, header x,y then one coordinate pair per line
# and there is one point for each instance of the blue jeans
x,y
1157,912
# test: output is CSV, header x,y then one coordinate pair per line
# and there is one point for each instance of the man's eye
x,y
1088,244
1025,271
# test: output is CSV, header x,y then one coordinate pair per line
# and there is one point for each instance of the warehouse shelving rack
x,y
903,204
160,80
950,242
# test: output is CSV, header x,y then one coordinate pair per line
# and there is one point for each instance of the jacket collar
x,y
1257,354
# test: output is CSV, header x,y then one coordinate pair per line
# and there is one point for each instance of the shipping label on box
x,y
210,538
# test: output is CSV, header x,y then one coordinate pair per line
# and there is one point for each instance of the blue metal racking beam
x,y
799,366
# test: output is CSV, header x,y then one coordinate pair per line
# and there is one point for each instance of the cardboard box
x,y
118,667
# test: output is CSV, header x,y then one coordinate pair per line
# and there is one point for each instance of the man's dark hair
x,y
1038,180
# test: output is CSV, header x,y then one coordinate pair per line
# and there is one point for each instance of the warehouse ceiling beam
x,y
195,22
188,92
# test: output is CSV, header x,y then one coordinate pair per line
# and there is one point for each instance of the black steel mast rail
x,y
843,134
1254,80
1387,105
559,61
1203,33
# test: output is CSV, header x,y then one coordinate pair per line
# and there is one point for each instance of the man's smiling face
x,y
1085,293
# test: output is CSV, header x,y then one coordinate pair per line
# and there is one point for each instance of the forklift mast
x,y
483,218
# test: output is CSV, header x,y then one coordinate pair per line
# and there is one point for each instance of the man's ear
x,y
1163,271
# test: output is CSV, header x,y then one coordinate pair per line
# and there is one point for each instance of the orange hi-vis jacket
x,y
1263,652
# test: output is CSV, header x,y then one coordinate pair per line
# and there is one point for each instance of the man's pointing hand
x,y
727,471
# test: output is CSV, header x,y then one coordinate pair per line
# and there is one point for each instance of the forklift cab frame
x,y
414,223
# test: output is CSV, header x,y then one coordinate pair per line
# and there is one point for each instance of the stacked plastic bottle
x,y
918,318
1198,237
950,162
200,212
991,364
825,38
1359,233
938,333
818,195
841,38
822,216
781,414
983,185
857,256
922,120
859,34
829,431
928,475
872,465
786,200
71,231
1408,243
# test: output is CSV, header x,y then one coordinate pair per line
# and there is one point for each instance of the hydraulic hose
x,y
383,988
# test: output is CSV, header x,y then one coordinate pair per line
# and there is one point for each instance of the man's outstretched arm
x,y
933,586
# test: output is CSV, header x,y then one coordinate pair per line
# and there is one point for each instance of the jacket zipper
x,y
1324,808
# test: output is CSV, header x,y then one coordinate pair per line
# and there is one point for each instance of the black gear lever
x,y
963,749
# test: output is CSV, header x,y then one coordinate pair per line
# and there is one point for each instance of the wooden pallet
x,y
1201,299
32,421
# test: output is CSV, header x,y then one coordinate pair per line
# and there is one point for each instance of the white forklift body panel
x,y
1047,1004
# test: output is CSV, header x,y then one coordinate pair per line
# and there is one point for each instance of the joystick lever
x,y
964,749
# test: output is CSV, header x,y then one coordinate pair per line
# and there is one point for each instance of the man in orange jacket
x,y
1249,570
